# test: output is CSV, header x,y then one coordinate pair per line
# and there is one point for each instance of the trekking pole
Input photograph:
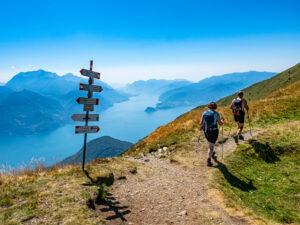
x,y
249,123
222,141
230,129
197,148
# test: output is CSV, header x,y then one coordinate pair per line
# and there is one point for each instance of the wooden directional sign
x,y
92,88
89,101
88,107
82,117
86,129
89,73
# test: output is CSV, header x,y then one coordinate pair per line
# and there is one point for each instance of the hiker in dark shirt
x,y
209,123
238,107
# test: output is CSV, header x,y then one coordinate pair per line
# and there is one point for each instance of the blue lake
x,y
125,121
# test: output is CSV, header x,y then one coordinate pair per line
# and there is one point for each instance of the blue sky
x,y
131,40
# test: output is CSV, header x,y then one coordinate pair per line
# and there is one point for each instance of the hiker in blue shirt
x,y
209,123
238,107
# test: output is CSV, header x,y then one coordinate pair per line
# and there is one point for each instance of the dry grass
x,y
56,195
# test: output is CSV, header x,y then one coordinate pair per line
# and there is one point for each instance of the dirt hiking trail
x,y
164,192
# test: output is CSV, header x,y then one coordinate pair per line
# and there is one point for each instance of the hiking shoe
x,y
209,162
236,139
214,155
241,137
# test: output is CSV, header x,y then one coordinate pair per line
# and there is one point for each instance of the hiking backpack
x,y
237,107
209,122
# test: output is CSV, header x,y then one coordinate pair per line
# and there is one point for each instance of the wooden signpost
x,y
88,103
82,117
86,129
92,88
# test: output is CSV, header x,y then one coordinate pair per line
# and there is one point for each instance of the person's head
x,y
212,106
241,94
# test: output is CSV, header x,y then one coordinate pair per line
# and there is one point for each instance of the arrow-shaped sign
x,y
92,88
87,107
82,117
89,73
86,129
89,101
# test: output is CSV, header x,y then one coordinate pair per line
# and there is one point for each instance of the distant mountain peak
x,y
37,73
101,147
68,75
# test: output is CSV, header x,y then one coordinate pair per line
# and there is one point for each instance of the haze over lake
x,y
125,121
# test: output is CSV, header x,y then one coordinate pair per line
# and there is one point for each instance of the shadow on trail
x,y
233,180
110,204
265,151
105,201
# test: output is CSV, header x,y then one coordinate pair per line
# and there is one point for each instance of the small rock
x,y
159,151
146,160
138,157
183,213
165,148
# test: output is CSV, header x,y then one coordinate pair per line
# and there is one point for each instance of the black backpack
x,y
237,107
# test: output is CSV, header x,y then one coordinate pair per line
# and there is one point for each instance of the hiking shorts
x,y
212,136
239,118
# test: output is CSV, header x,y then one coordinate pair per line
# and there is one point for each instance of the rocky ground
x,y
169,192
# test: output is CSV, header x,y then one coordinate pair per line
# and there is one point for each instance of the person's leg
x,y
241,126
210,152
238,129
236,137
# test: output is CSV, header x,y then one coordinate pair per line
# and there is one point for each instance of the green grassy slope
x,y
266,87
263,175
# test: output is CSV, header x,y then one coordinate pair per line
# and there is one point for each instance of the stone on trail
x,y
183,213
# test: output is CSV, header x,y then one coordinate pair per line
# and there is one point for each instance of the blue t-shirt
x,y
215,118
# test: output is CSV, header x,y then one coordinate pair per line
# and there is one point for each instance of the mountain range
x,y
37,101
268,86
60,92
26,112
209,89
153,86
60,87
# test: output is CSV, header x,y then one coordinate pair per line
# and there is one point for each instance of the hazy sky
x,y
131,40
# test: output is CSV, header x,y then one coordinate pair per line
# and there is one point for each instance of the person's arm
x,y
231,104
220,120
201,123
245,105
